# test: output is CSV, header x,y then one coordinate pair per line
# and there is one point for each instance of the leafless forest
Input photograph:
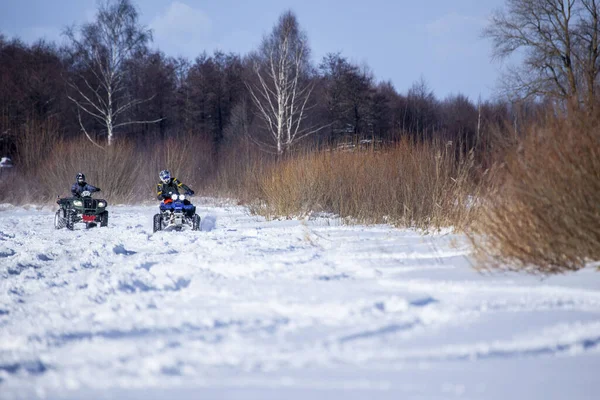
x,y
288,136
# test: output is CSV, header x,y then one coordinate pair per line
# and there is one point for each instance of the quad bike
x,y
81,209
176,213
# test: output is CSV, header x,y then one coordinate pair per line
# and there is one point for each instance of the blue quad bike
x,y
176,213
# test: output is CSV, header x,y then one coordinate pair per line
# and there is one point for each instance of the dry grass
x,y
188,157
544,217
114,169
34,141
241,166
540,212
411,184
127,172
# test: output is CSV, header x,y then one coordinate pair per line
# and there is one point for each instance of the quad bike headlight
x,y
78,203
181,197
174,196
101,204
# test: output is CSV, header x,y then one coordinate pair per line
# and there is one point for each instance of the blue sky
x,y
400,40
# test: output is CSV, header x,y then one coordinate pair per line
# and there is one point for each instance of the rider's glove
x,y
189,192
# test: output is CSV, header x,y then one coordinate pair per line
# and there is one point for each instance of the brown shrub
x,y
410,184
127,172
240,168
189,157
33,142
113,169
544,215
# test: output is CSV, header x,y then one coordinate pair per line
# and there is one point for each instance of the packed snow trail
x,y
296,309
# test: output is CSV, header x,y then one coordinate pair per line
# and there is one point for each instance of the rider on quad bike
x,y
81,186
81,207
169,186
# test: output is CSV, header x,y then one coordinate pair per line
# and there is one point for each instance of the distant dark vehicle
x,y
7,170
81,209
6,162
175,214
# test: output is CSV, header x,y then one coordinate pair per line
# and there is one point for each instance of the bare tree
x,y
559,39
100,52
282,87
588,45
421,109
349,95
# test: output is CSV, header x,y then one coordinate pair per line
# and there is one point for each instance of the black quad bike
x,y
81,209
175,214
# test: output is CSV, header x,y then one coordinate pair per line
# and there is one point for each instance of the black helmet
x,y
165,176
80,178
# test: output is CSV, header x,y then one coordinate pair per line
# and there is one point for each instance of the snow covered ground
x,y
250,309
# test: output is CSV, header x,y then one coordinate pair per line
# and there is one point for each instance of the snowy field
x,y
303,309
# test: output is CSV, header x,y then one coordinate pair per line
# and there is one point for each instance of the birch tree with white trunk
x,y
281,90
100,50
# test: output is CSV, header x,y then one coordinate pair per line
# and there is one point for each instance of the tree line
x,y
108,83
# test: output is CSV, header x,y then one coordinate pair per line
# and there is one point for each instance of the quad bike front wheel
x,y
104,219
69,220
196,222
59,219
157,226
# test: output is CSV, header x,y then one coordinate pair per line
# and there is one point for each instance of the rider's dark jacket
x,y
165,190
79,188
